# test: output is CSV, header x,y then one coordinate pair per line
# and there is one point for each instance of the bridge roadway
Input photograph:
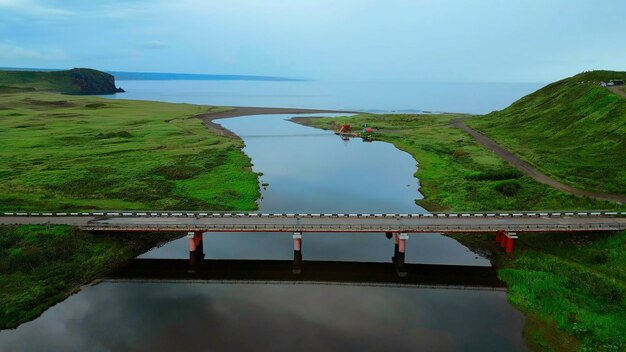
x,y
130,221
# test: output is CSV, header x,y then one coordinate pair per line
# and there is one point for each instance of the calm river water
x,y
307,170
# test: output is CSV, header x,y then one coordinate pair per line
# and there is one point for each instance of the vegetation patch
x,y
188,166
9,90
120,134
577,283
508,188
95,105
48,103
42,265
497,175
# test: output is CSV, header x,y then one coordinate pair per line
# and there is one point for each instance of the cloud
x,y
10,52
34,9
154,44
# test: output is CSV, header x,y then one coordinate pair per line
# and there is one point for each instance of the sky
x,y
348,40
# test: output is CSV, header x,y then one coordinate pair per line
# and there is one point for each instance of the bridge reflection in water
x,y
198,269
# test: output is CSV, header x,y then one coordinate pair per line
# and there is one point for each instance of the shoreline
x,y
238,111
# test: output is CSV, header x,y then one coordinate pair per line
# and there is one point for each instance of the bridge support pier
x,y
195,241
297,241
196,250
297,252
510,238
506,240
191,237
399,253
503,239
499,236
396,246
297,262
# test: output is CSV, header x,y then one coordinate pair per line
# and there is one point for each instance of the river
x,y
310,170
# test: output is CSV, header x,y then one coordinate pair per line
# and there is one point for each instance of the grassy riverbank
x,y
565,284
42,265
572,288
79,153
63,153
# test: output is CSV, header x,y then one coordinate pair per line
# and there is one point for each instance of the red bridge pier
x,y
399,253
196,248
297,252
506,240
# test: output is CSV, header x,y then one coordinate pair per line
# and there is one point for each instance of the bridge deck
x,y
255,222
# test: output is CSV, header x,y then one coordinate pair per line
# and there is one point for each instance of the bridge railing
x,y
360,228
200,214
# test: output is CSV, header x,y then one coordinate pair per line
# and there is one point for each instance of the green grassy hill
x,y
74,81
573,130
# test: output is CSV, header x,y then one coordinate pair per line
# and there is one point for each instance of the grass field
x,y
573,130
572,287
80,153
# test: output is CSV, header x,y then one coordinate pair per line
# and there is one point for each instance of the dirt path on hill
x,y
528,169
619,90
208,118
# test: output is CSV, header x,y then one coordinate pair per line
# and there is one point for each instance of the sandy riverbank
x,y
208,118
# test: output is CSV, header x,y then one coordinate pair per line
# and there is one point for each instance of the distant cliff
x,y
80,81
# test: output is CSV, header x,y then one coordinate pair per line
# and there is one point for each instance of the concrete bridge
x,y
506,225
130,221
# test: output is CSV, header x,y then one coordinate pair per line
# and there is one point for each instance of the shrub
x,y
508,188
120,134
497,175
459,153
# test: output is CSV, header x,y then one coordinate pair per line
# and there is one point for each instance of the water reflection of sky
x,y
166,317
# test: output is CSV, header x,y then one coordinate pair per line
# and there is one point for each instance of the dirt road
x,y
619,90
531,171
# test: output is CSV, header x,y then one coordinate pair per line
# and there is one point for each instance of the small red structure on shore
x,y
345,132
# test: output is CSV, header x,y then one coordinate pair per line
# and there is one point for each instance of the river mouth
x,y
303,170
